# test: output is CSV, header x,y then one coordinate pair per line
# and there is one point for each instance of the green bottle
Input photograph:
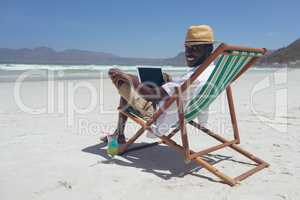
x,y
113,145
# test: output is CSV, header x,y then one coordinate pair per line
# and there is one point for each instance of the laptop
x,y
151,75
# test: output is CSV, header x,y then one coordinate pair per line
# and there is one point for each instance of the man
x,y
145,98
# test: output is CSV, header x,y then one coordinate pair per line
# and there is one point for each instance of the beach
x,y
50,148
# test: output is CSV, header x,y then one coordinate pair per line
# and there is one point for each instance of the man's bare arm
x,y
150,93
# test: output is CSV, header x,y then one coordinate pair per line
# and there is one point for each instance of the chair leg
x,y
187,152
261,164
173,133
233,146
182,125
230,181
123,148
201,162
232,114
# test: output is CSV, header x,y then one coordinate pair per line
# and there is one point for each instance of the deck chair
x,y
230,63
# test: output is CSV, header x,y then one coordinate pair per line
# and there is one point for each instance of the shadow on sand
x,y
159,160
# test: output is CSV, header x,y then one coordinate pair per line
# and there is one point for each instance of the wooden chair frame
x,y
184,148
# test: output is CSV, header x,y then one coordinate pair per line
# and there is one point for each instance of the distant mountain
x,y
288,54
45,55
178,60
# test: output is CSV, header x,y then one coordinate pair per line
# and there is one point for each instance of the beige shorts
x,y
136,100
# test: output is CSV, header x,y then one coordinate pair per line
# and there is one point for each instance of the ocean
x,y
37,72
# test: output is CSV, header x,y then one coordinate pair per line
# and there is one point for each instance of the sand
x,y
53,152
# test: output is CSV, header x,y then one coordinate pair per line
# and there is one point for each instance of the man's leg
x,y
122,119
125,83
132,93
136,100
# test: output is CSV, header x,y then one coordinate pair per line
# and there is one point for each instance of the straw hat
x,y
199,34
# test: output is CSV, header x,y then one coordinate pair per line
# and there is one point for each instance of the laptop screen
x,y
151,75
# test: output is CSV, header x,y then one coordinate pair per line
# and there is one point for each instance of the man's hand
x,y
117,75
167,77
113,73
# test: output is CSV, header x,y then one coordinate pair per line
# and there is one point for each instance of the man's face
x,y
194,55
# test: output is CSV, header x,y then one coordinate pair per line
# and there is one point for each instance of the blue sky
x,y
139,28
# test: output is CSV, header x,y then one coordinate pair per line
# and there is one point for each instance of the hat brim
x,y
198,42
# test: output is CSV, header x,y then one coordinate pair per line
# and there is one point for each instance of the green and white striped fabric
x,y
226,69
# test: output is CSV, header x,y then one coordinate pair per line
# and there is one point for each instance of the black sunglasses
x,y
197,48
